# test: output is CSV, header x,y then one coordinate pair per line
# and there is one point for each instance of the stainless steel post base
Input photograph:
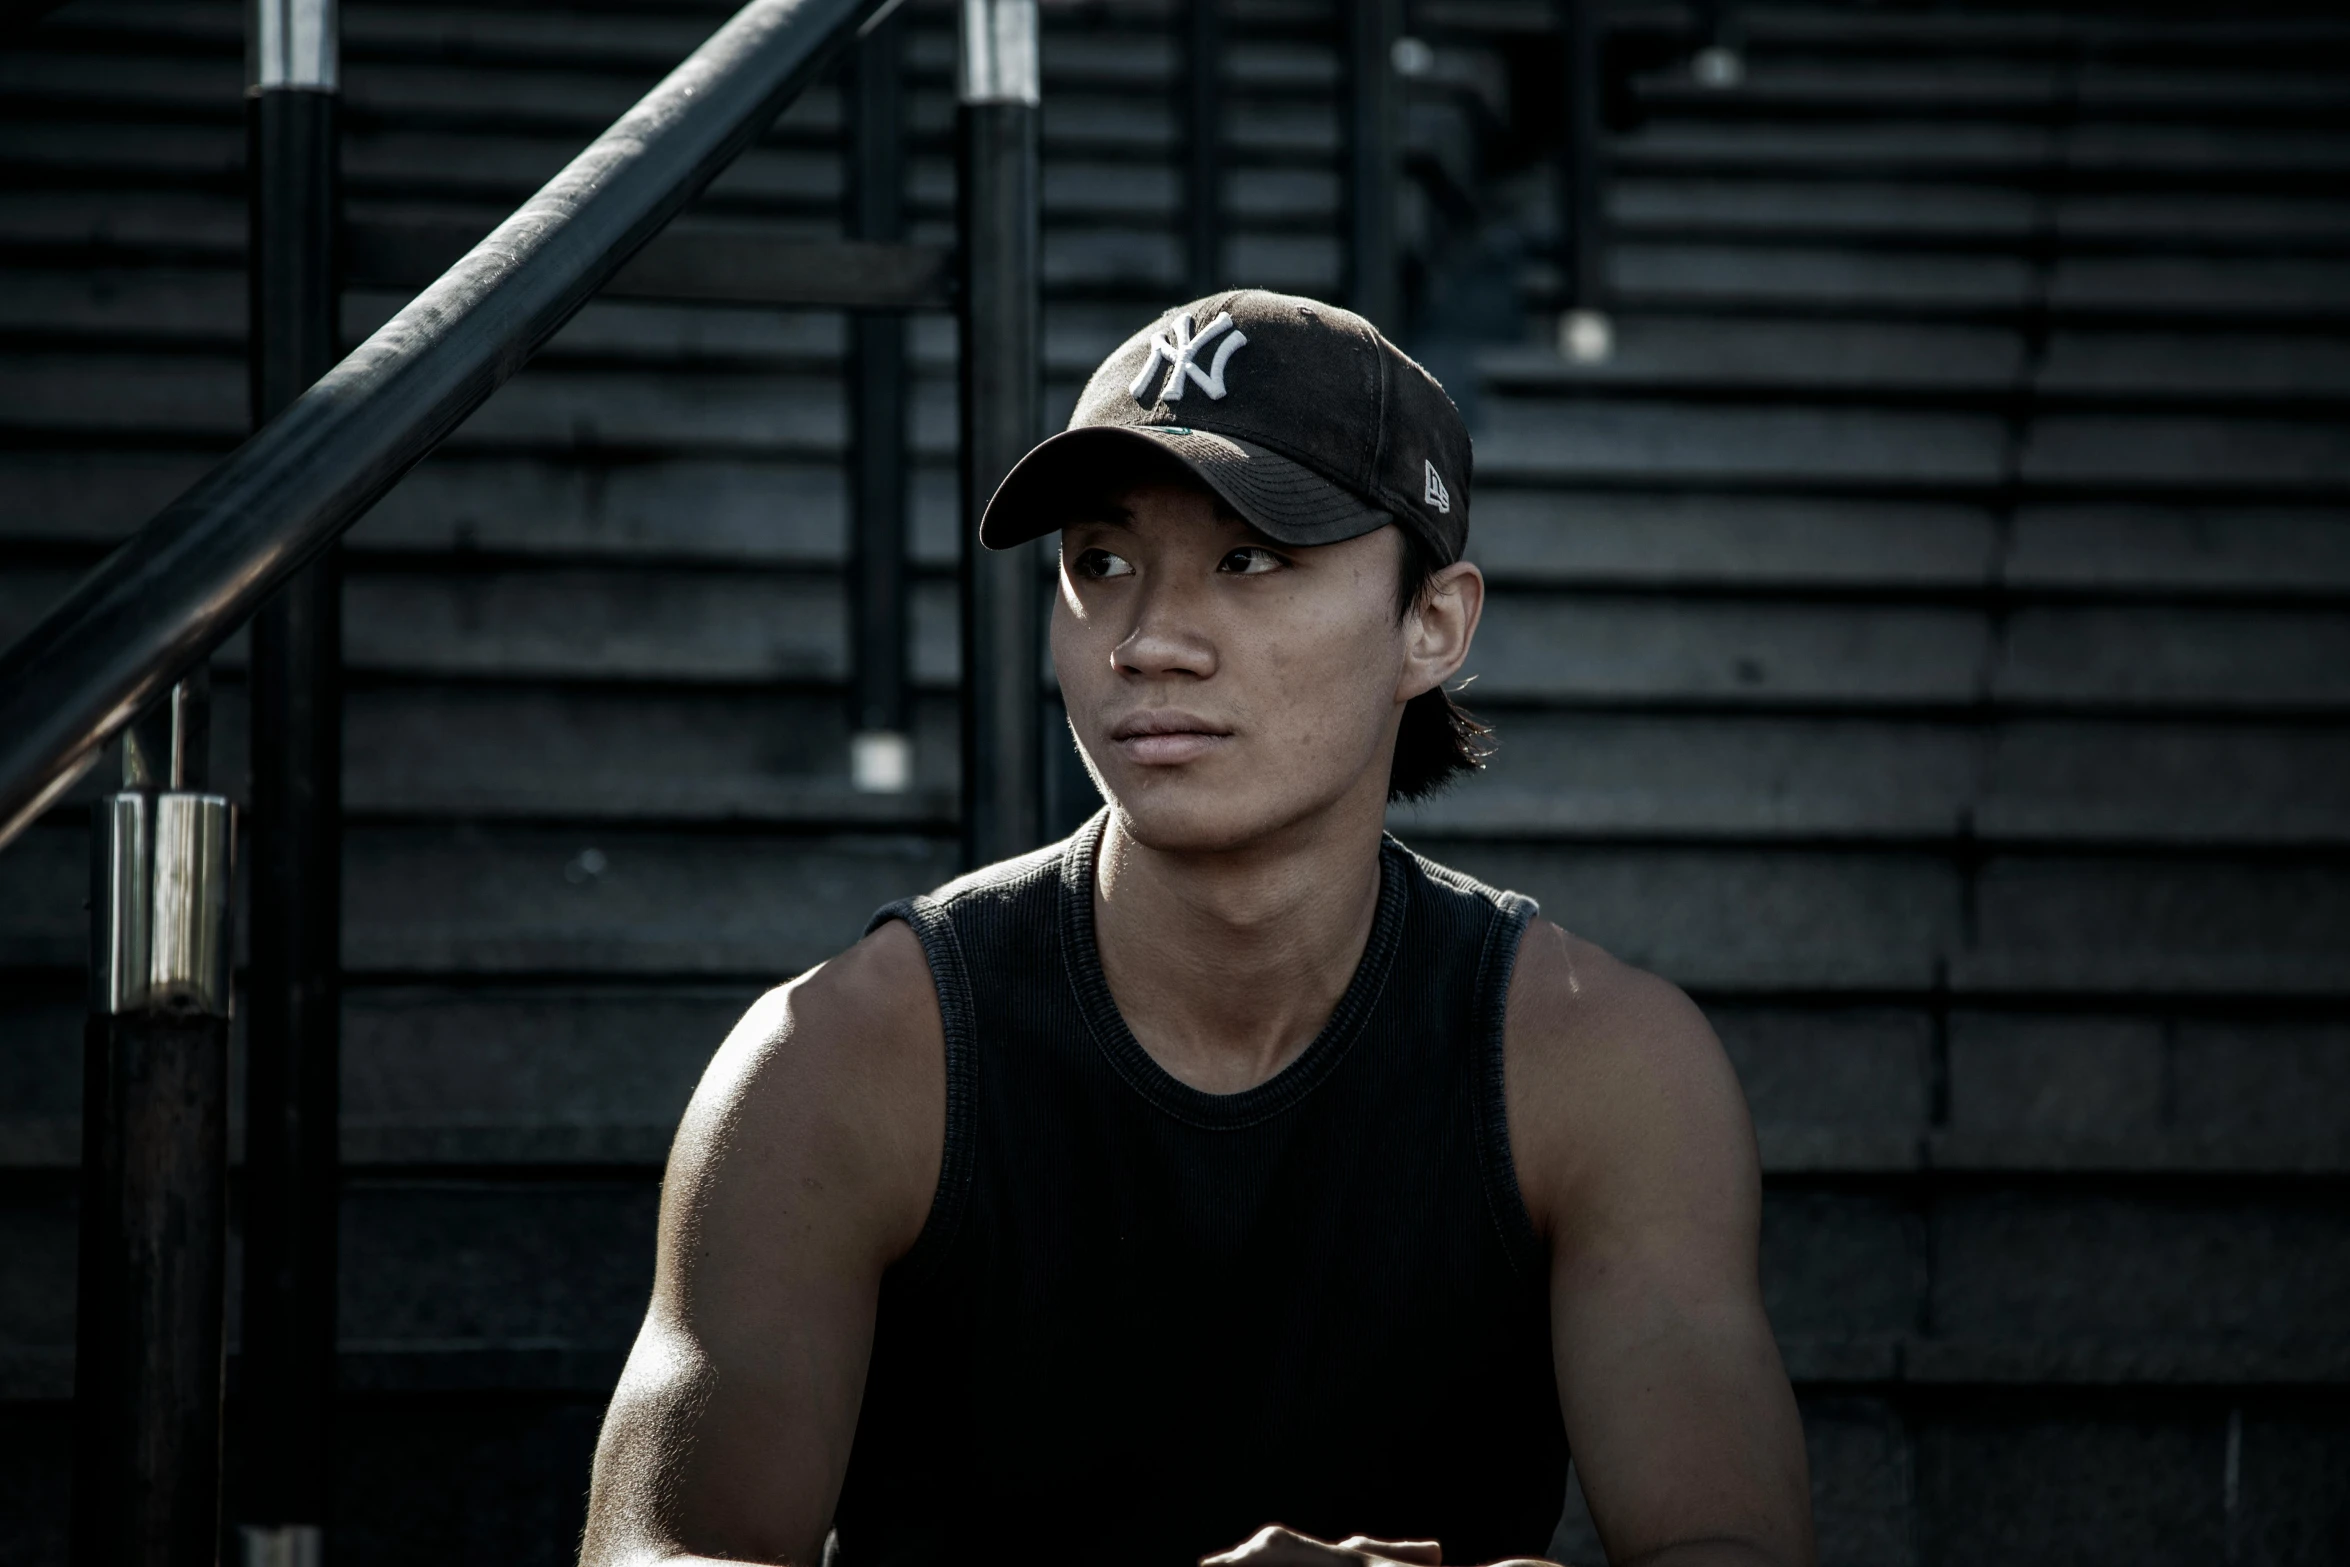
x,y
161,880
282,1545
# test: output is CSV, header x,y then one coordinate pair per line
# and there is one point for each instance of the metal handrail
x,y
154,608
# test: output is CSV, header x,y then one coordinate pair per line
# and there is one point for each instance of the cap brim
x,y
1278,496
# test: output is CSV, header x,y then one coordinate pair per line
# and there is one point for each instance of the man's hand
x,y
1274,1546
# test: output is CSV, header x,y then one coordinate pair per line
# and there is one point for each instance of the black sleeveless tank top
x,y
1143,1321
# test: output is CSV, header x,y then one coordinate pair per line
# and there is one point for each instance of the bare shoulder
x,y
803,1167
830,1092
1619,1092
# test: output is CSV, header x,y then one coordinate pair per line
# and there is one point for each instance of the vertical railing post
x,y
1203,119
1373,162
881,758
1586,334
1003,743
1716,60
293,1037
148,1335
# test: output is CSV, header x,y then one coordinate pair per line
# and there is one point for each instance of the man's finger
x,y
1268,1547
1424,1553
1274,1546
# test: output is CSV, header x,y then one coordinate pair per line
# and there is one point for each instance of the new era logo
x,y
1180,354
1436,495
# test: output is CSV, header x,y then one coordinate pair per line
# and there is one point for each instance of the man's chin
x,y
1193,810
1179,811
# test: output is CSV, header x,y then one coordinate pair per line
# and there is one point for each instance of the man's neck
x,y
1226,965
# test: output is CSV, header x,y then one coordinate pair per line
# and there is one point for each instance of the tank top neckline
x,y
1161,1088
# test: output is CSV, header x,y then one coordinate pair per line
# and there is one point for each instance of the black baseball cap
x,y
1300,415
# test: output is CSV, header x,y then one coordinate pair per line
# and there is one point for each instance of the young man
x,y
1226,1181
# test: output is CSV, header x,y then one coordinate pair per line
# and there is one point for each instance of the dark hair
x,y
1439,740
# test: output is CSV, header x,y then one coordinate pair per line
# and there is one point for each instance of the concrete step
x,y
1612,650
1897,149
2282,34
1850,280
1713,541
1539,536
484,899
1653,444
1598,777
437,1263
751,759
1667,276
1712,355
1724,358
1775,84
2154,454
736,627
160,226
534,1075
1924,214
629,754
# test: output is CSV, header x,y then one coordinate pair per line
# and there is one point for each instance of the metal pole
x,y
1586,335
881,758
1716,61
1203,104
148,1338
1373,167
1003,705
293,1038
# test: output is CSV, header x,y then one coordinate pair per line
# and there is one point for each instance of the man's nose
x,y
1167,637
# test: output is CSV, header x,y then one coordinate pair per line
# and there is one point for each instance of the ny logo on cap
x,y
1436,494
1181,354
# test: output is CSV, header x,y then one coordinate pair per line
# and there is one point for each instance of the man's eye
x,y
1249,561
1097,564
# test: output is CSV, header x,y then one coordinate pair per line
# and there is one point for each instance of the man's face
x,y
1223,686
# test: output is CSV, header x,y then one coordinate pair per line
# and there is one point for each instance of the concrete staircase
x,y
1924,637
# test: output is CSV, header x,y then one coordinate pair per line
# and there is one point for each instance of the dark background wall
x,y
1924,639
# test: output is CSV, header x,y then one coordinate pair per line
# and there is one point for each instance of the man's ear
x,y
1440,627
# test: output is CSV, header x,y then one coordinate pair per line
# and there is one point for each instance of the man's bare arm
x,y
805,1165
1638,1161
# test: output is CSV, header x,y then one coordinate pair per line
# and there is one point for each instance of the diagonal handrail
x,y
158,604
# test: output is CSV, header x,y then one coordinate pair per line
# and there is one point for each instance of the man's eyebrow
x,y
1107,513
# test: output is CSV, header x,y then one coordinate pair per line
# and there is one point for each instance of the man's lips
x,y
1163,739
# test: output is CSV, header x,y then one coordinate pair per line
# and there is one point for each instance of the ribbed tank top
x,y
1142,1321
